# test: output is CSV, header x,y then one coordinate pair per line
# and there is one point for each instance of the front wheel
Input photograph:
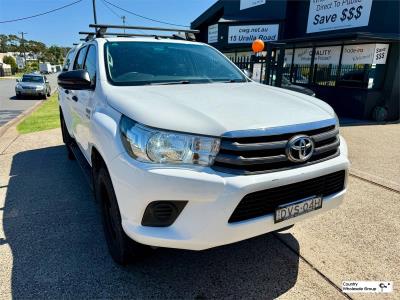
x,y
122,249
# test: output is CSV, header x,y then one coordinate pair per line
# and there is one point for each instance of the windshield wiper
x,y
170,82
229,80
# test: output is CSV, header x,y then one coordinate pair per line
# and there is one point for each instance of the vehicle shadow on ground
x,y
52,226
25,98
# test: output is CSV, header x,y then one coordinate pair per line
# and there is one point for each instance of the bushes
x,y
9,60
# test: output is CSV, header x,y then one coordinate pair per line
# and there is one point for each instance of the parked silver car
x,y
33,85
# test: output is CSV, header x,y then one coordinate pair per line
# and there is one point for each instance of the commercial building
x,y
347,51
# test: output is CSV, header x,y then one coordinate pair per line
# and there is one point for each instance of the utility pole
x,y
94,11
23,45
123,21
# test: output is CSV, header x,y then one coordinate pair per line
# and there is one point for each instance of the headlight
x,y
39,87
158,146
18,86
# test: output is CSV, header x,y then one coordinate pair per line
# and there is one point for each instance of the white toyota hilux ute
x,y
187,152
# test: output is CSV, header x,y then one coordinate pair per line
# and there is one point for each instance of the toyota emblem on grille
x,y
299,148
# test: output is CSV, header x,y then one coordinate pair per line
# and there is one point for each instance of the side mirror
x,y
75,80
18,80
248,73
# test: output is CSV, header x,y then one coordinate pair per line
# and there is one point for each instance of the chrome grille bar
x,y
236,146
246,154
240,160
325,135
327,148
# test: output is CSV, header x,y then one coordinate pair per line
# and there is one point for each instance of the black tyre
x,y
123,250
18,96
67,139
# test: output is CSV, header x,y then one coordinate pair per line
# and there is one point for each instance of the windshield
x,y
38,79
142,63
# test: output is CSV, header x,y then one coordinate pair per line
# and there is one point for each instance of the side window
x,y
90,63
68,60
80,59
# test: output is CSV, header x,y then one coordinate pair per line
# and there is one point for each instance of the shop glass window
x,y
326,65
287,65
325,75
365,76
358,68
301,68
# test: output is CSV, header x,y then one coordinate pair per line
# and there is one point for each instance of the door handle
x,y
67,91
75,98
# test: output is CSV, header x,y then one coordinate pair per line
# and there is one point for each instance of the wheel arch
x,y
97,160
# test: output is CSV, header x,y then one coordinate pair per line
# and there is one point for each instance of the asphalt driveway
x,y
52,246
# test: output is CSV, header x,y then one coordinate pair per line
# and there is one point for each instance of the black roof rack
x,y
121,34
101,31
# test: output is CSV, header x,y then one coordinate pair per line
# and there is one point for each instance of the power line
x,y
143,17
40,14
116,14
110,9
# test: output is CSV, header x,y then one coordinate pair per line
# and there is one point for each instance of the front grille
x,y
265,202
29,87
261,154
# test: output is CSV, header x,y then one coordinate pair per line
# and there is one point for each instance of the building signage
x,y
365,54
381,52
302,56
327,55
326,15
246,34
213,33
250,3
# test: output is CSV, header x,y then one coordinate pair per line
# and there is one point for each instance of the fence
x,y
360,76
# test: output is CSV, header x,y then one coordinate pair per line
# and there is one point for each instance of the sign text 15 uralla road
x,y
326,15
246,34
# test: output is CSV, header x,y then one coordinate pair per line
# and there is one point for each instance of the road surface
x,y
10,107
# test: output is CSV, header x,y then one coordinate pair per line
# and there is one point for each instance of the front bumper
x,y
30,92
212,197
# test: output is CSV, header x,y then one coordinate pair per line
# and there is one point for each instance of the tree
x,y
34,66
14,43
35,47
3,43
9,60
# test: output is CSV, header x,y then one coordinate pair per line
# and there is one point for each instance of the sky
x,y
61,27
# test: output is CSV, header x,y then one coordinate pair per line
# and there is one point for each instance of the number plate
x,y
297,208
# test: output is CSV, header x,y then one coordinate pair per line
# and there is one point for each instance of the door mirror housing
x,y
75,80
18,80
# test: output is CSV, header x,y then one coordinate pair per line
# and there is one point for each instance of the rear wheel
x,y
123,250
67,139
